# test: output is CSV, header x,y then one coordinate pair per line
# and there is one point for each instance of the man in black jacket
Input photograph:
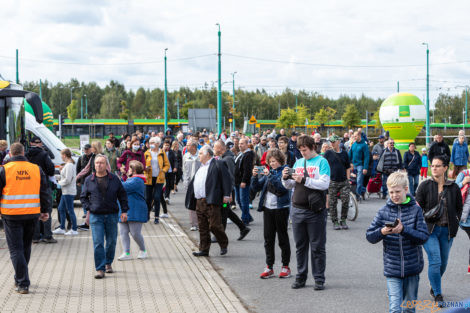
x,y
243,172
37,155
209,189
438,147
19,226
226,156
100,194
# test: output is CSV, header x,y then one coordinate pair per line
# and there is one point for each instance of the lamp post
x,y
427,95
166,99
81,107
219,92
233,104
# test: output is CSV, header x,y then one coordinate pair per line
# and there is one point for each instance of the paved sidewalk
x,y
170,280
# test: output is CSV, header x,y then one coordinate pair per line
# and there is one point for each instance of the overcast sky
x,y
332,47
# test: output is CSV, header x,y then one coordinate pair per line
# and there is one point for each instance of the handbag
x,y
316,198
435,213
464,189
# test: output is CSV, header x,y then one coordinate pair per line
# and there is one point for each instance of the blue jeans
x,y
400,291
437,248
384,184
360,189
243,199
66,204
413,181
104,226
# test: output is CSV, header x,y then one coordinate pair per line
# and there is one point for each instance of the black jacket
x,y
93,201
44,192
438,148
41,158
81,164
229,158
427,198
172,159
218,185
244,168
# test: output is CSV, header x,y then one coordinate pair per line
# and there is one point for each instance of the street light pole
x,y
219,93
166,99
17,72
81,106
427,95
233,104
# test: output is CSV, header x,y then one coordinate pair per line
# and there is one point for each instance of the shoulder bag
x,y
435,213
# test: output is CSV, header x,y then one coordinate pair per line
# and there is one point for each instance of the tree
x,y
324,116
125,114
72,110
289,118
351,116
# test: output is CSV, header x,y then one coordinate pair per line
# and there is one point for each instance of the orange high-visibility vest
x,y
20,195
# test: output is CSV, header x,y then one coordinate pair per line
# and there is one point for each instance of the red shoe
x,y
285,272
268,273
468,270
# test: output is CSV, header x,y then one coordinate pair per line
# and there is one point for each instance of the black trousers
x,y
19,235
154,195
275,222
170,183
228,213
467,230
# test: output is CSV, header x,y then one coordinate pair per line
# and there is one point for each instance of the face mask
x,y
152,146
135,148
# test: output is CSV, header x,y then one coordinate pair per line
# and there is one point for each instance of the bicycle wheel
x,y
353,207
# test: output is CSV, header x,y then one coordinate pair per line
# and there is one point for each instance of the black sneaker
x,y
298,284
431,292
384,196
439,299
244,232
49,240
319,286
83,227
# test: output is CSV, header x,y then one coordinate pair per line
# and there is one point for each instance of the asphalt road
x,y
354,271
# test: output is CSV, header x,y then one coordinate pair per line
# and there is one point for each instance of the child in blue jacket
x,y
403,256
138,212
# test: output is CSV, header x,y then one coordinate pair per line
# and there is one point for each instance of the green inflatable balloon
x,y
403,115
47,113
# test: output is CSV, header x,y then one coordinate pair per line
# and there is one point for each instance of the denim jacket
x,y
260,183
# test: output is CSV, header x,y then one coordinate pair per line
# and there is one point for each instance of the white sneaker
x,y
59,231
125,256
71,233
193,228
142,254
164,215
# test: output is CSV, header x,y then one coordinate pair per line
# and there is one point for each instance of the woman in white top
x,y
67,183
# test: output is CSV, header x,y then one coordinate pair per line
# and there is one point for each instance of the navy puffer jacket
x,y
402,253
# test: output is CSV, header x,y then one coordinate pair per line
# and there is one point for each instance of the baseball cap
x,y
294,133
381,137
334,138
87,146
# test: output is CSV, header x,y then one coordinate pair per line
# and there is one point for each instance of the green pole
x,y
219,92
81,105
86,106
40,90
17,72
233,104
428,134
166,99
398,86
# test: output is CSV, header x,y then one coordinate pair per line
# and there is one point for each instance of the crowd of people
x,y
294,177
